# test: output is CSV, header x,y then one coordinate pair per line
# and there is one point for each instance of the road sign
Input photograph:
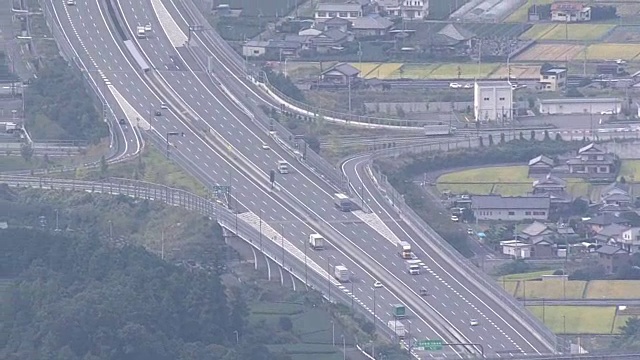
x,y
429,345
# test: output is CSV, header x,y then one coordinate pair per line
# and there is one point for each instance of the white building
x,y
493,101
516,249
326,11
566,106
406,9
630,240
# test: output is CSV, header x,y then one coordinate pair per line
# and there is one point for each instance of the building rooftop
x,y
553,71
344,69
339,7
494,84
510,203
371,22
610,250
541,158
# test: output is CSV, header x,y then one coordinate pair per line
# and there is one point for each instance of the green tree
x,y
26,151
490,140
558,137
502,138
546,135
521,136
285,323
532,137
104,166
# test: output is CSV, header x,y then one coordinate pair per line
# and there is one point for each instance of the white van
x,y
283,167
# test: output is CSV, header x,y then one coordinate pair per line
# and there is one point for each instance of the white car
x,y
377,284
265,147
455,85
468,86
474,322
455,218
607,112
71,2
163,106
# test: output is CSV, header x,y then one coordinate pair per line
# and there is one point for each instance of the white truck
x,y
398,328
283,167
404,249
341,273
141,32
316,241
413,267
439,130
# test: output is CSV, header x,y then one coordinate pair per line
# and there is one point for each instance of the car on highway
x,y
468,86
158,113
455,85
608,112
423,292
265,147
122,122
470,231
163,106
474,322
71,2
377,284
455,218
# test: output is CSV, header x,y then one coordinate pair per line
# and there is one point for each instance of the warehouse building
x,y
493,101
567,106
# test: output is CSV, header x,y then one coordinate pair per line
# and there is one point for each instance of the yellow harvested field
x,y
567,31
551,52
413,71
520,15
365,68
551,289
518,71
383,71
467,71
509,286
613,289
612,51
630,169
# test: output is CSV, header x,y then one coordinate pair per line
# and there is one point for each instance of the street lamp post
x,y
57,222
282,243
237,336
261,230
344,348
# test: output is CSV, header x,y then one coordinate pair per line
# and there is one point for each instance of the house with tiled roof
x,y
570,11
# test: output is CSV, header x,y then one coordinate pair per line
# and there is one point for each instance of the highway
x,y
247,174
247,194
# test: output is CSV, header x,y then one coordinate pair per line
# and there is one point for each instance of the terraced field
x,y
613,51
576,32
551,52
413,71
467,71
517,71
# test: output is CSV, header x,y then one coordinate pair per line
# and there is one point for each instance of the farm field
x,y
365,68
551,52
467,71
624,34
576,319
550,289
504,180
579,32
612,51
383,71
413,71
517,71
617,289
630,169
625,8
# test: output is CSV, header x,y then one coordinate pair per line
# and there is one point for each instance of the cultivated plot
x,y
517,71
551,52
575,32
576,319
612,51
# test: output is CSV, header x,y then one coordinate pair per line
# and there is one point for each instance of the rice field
x,y
612,51
552,52
365,68
467,71
575,32
517,71
384,71
413,71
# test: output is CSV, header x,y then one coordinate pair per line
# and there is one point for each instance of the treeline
x,y
59,105
401,173
74,297
284,84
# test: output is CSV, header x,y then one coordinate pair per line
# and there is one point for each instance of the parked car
x,y
455,85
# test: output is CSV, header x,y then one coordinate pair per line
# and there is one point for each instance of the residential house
x,y
335,23
406,9
616,194
630,240
610,234
535,229
310,32
569,11
553,79
612,257
516,249
538,235
540,165
598,222
330,40
371,26
517,208
325,11
254,48
458,34
340,74
549,185
593,161
542,247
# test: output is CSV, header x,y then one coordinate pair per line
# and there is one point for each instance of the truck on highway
x,y
316,241
283,167
342,202
341,273
141,32
413,267
439,130
404,249
398,328
398,311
